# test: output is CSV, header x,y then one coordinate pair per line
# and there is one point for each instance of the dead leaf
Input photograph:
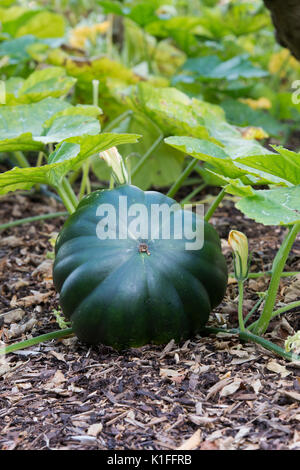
x,y
192,443
256,385
171,374
36,298
12,241
209,445
278,368
58,356
292,292
45,268
17,330
198,420
57,379
13,316
230,388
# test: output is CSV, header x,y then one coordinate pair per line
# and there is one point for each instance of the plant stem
x,y
74,176
115,122
214,205
277,269
248,336
21,159
253,309
40,158
95,92
277,312
84,179
178,183
145,157
269,273
66,199
69,191
240,306
32,219
38,339
193,193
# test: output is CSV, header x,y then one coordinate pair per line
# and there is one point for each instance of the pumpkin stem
x,y
143,248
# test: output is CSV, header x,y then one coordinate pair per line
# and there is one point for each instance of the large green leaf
x,y
208,152
211,67
240,114
66,156
181,28
21,122
237,19
170,109
176,114
41,84
280,206
285,165
45,24
142,12
16,49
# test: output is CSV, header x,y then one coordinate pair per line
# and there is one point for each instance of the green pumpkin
x,y
131,292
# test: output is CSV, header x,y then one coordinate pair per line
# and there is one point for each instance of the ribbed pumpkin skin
x,y
121,297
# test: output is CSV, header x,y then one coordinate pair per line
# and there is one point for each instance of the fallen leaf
x,y
13,316
12,241
209,445
274,366
16,329
191,443
256,385
36,298
230,388
45,268
57,379
171,374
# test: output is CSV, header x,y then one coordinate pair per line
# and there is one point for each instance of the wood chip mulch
x,y
209,393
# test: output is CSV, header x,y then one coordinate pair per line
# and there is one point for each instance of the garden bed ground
x,y
65,395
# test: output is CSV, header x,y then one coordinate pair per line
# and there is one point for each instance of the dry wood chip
x,y
217,387
206,420
192,443
243,431
290,394
95,429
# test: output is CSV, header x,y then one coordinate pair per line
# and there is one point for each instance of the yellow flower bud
x,y
239,245
113,159
292,343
